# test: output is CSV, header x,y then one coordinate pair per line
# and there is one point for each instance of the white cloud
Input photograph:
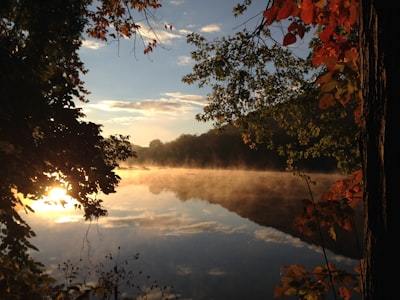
x,y
160,35
211,28
168,224
184,60
177,2
122,121
93,45
272,235
216,272
184,31
156,294
187,98
183,270
170,103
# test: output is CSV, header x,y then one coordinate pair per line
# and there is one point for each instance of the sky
x,y
143,95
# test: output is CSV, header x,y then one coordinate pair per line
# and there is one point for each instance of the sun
x,y
57,200
57,194
56,206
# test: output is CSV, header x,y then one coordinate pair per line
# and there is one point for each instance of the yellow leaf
x,y
329,86
332,233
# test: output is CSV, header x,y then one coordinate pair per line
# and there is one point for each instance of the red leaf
x,y
353,14
351,55
307,11
289,39
301,30
285,11
326,34
326,101
270,14
293,27
345,293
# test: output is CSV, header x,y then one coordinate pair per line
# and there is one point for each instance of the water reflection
x,y
211,234
270,199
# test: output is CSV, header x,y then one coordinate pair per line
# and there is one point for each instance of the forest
x,y
219,148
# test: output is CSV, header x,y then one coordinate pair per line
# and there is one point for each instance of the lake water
x,y
211,234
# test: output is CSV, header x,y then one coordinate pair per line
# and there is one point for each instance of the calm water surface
x,y
212,234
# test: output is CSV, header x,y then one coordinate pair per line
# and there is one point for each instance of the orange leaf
x,y
357,115
307,11
289,39
351,55
285,11
347,225
326,101
345,293
270,14
279,292
324,78
332,233
353,14
345,99
358,176
326,34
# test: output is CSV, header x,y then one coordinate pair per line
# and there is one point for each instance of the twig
x,y
306,179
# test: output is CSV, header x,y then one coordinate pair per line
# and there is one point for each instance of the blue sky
x,y
144,96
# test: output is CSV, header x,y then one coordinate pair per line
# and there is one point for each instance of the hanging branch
x,y
322,240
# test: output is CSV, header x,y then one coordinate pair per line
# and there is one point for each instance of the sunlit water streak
x,y
213,234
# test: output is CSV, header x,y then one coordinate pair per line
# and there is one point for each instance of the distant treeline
x,y
218,148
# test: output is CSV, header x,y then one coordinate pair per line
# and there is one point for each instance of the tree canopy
x,y
221,148
260,84
266,89
44,139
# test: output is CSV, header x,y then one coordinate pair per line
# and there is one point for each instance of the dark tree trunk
x,y
380,71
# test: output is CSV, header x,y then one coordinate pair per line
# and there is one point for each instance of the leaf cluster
x,y
44,140
269,92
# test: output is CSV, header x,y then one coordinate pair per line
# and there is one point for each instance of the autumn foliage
x,y
115,19
334,50
314,284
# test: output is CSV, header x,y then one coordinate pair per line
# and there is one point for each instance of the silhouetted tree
x,y
223,148
44,140
380,62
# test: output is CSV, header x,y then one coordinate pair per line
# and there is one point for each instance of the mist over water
x,y
212,234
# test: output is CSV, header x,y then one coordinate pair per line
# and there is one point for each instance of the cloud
x,y
187,98
271,235
156,294
184,60
124,121
161,35
177,2
92,45
184,31
161,105
183,270
170,103
216,272
169,224
211,28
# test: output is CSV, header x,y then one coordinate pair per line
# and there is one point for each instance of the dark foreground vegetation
x,y
341,102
